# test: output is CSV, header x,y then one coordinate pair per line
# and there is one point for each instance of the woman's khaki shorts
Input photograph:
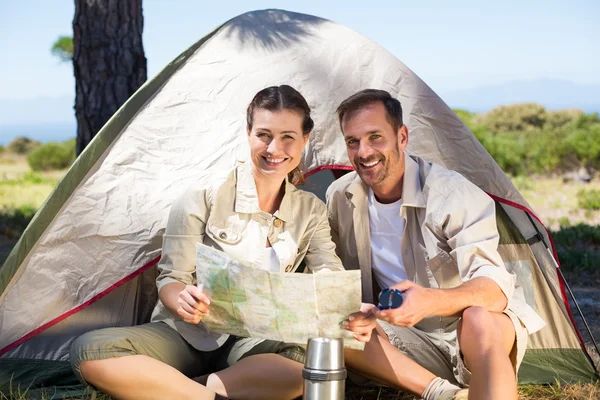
x,y
161,342
439,351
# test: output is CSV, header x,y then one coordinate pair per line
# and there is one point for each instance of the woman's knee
x,y
89,350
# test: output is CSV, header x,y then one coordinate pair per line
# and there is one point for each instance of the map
x,y
290,307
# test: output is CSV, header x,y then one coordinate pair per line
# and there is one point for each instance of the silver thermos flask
x,y
324,372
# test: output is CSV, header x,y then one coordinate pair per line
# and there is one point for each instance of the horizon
x,y
464,51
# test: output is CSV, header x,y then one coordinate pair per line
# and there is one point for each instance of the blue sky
x,y
451,45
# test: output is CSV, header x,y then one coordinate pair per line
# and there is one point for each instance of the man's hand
x,y
193,304
417,303
362,323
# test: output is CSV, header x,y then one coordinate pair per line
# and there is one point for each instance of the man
x,y
431,234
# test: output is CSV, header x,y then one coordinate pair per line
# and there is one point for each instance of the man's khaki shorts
x,y
161,342
439,352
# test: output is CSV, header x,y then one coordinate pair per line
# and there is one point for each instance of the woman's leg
x,y
148,361
259,369
261,376
141,377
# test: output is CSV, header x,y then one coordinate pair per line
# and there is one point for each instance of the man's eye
x,y
375,136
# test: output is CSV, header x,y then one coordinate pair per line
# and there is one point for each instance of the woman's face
x,y
276,142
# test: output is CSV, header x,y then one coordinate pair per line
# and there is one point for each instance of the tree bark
x,y
108,61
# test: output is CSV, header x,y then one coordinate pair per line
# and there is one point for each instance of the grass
x,y
583,391
20,186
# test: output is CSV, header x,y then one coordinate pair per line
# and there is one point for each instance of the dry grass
x,y
19,186
555,201
586,391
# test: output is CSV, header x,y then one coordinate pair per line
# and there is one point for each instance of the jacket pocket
x,y
223,235
445,270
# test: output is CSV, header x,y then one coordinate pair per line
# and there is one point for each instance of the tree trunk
x,y
108,61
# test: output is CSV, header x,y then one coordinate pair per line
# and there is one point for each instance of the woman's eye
x,y
288,137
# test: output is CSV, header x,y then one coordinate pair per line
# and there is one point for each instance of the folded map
x,y
290,307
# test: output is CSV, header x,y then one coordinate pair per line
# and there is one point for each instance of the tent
x,y
87,260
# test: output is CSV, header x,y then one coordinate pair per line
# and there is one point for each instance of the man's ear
x,y
402,137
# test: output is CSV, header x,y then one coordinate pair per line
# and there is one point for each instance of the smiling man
x,y
430,233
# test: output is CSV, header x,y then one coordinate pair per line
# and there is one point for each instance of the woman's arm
x,y
177,267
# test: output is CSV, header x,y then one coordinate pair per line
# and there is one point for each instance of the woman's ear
x,y
305,138
248,131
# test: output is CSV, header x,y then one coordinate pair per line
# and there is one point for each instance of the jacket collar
x,y
412,192
246,196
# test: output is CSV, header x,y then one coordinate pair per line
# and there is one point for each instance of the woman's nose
x,y
273,147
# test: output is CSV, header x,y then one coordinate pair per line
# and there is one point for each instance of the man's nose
x,y
364,150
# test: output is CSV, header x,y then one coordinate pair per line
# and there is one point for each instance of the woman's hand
x,y
362,323
193,304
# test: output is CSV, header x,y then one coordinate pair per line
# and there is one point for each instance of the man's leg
x,y
381,361
486,340
141,362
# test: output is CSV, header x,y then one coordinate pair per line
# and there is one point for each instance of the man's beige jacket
x,y
450,237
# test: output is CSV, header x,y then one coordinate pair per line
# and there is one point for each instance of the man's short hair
x,y
356,102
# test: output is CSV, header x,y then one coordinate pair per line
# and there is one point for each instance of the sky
x,y
451,45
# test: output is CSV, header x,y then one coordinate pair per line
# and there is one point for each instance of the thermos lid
x,y
325,354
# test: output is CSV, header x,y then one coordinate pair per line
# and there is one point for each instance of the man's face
x,y
374,148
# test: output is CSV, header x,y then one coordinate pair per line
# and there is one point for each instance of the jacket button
x,y
288,268
277,223
223,235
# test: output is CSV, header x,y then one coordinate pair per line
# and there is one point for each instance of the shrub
x,y
1,149
578,249
588,199
22,145
515,117
52,156
13,221
560,118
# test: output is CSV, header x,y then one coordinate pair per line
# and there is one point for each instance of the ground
x,y
553,200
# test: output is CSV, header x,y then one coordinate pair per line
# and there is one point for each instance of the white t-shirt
x,y
271,260
386,226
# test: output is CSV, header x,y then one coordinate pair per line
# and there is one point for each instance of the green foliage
x,y
588,199
14,220
63,48
578,249
564,222
52,156
22,145
526,139
2,149
516,117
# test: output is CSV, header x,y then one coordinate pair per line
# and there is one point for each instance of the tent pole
x,y
583,319
587,327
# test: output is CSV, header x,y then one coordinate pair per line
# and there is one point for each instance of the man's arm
x,y
419,302
466,220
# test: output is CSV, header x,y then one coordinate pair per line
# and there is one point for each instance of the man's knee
x,y
478,325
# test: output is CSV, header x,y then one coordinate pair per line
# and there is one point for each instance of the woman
x,y
255,215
